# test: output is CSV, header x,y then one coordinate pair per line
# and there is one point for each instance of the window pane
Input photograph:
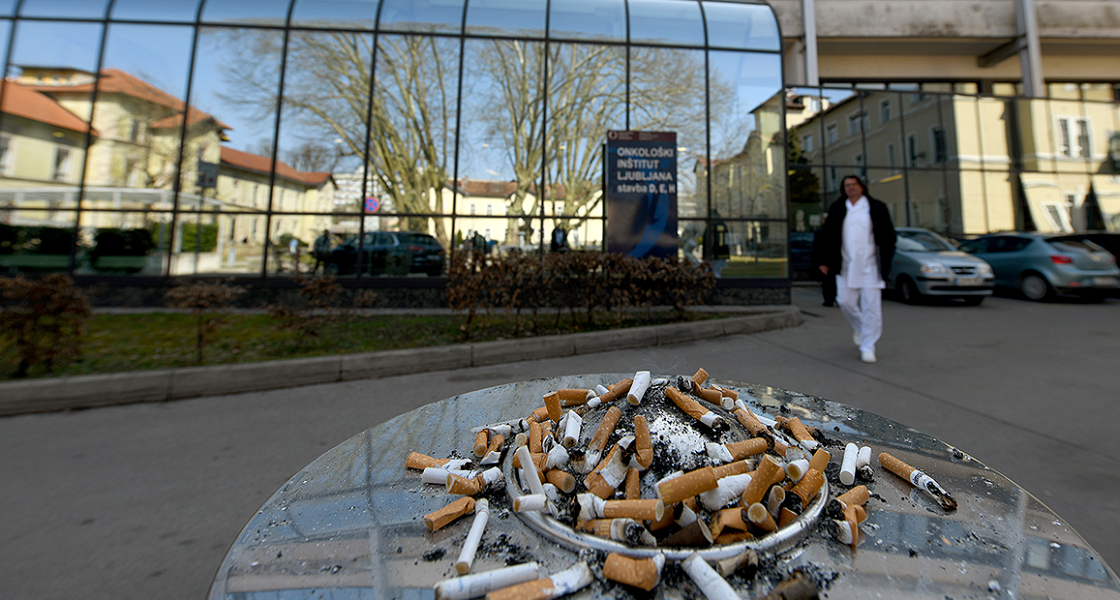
x,y
741,26
884,136
746,132
71,9
586,99
335,14
246,12
500,151
37,235
179,11
118,241
7,7
603,20
422,15
666,22
521,18
753,249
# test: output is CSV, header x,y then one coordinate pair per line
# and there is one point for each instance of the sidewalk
x,y
143,500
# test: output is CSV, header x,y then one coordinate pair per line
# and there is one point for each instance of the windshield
x,y
922,241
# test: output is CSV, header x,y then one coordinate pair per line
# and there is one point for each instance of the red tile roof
x,y
21,101
262,165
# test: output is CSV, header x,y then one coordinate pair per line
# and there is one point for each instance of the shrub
x,y
45,320
208,301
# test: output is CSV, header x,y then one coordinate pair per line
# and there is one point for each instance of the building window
x,y
1073,137
857,160
134,132
890,156
912,149
832,133
858,122
62,166
937,145
885,111
7,156
489,209
807,143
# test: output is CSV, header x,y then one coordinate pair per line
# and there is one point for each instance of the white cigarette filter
x,y
707,579
796,470
491,458
530,503
864,457
464,464
718,453
572,429
848,466
599,391
728,489
466,555
438,475
642,573
560,584
557,458
528,471
590,507
480,584
638,387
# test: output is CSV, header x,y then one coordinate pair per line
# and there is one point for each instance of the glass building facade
x,y
212,137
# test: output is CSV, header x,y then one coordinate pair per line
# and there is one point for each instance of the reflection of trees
x,y
327,88
586,97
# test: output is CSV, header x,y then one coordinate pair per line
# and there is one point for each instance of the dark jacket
x,y
832,234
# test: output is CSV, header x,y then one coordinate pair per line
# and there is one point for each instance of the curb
x,y
93,391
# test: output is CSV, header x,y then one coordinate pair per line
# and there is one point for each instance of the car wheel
x,y
972,300
908,291
1034,287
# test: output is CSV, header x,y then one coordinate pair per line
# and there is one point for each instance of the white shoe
x,y
855,337
867,357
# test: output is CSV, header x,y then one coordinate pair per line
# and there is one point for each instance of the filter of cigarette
x,y
481,441
848,466
796,470
707,579
728,517
760,516
602,434
573,397
438,476
530,473
461,486
700,376
863,464
619,530
747,560
436,519
642,573
748,420
614,392
856,496
418,461
728,489
736,468
470,546
693,409
769,472
530,503
687,485
727,393
536,438
695,534
802,493
638,387
820,459
918,479
643,446
801,433
480,584
572,429
559,584
539,415
593,507
775,499
633,485
557,458
563,480
552,404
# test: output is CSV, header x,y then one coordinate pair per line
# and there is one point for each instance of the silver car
x,y
926,265
1040,266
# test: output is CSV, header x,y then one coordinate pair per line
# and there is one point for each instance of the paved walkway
x,y
142,500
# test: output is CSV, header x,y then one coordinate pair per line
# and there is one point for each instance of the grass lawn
x,y
132,342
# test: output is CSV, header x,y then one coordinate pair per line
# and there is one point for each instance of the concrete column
x,y
1030,54
809,24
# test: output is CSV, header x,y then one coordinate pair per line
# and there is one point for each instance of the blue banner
x,y
642,193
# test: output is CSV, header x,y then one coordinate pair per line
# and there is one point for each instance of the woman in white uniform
x,y
859,244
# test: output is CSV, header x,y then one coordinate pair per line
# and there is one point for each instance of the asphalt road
x,y
142,501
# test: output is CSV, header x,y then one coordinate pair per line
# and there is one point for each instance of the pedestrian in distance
x,y
320,250
859,242
828,281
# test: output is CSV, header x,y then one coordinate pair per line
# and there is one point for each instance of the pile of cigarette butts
x,y
749,488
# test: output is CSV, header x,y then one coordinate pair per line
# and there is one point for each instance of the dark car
x,y
801,254
1040,265
1109,240
395,253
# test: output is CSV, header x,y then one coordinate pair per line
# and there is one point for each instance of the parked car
x,y
1041,265
1109,240
395,253
926,265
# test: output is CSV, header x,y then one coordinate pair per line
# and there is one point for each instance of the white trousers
x,y
863,308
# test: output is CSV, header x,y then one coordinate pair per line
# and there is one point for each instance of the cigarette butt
x,y
748,447
693,409
642,573
605,429
785,517
535,438
728,517
420,462
530,503
521,439
572,429
559,584
552,404
820,459
796,470
651,509
481,442
707,579
538,415
730,536
572,397
728,490
687,485
736,468
670,517
747,419
856,496
809,485
727,393
848,464
700,377
797,587
619,389
496,443
695,534
638,387
747,560
561,479
436,519
598,486
461,486
438,475
761,517
532,479
769,472
479,584
775,499
632,486
780,448
860,513
538,459
711,396
470,545
846,532
895,465
643,446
